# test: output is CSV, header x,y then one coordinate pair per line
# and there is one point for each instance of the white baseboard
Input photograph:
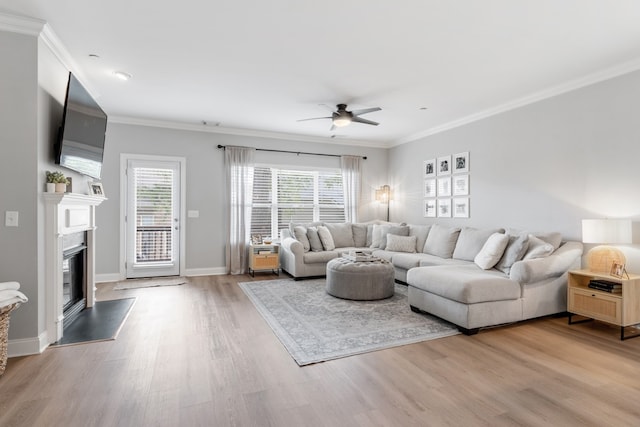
x,y
27,346
110,277
216,271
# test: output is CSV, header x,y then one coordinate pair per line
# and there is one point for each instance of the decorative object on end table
x,y
95,189
56,182
256,239
618,270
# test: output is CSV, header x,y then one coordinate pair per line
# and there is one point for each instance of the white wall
x,y
205,238
545,166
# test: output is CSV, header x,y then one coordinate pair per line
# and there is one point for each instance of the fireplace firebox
x,y
74,277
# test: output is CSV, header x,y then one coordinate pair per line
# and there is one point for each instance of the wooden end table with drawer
x,y
264,257
621,309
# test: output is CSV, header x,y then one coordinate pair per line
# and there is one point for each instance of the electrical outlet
x,y
11,219
193,214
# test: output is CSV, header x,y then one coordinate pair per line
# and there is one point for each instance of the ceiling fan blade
x,y
314,118
333,127
365,111
365,121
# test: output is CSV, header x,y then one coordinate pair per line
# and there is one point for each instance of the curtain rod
x,y
295,152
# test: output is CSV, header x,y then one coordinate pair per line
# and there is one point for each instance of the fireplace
x,y
74,277
69,259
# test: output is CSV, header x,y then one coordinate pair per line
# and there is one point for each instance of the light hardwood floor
x,y
201,355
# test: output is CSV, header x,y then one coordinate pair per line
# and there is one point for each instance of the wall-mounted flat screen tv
x,y
80,145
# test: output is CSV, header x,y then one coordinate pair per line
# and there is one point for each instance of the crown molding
x,y
21,24
241,132
588,80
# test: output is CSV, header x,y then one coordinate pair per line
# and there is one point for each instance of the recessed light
x,y
122,75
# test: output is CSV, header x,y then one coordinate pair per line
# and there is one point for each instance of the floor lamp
x,y
383,195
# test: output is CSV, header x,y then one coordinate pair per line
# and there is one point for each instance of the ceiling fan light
x,y
341,121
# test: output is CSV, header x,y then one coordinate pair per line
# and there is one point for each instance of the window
x,y
281,196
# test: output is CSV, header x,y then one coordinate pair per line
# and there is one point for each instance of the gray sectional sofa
x,y
471,277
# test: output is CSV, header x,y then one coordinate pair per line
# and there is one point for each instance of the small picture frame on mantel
x,y
96,189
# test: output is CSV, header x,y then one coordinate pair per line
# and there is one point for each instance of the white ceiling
x,y
262,65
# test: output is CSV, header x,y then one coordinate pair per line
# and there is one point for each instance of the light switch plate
x,y
11,219
193,214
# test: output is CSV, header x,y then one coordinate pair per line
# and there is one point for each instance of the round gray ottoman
x,y
363,281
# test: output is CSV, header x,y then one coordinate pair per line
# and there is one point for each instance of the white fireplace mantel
x,y
66,213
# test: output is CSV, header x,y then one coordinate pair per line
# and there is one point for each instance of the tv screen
x,y
81,141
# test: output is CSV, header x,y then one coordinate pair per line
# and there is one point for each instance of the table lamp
x,y
605,232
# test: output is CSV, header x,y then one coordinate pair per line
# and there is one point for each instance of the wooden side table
x,y
263,258
622,309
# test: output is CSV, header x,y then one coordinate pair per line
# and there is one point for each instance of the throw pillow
x,y
398,230
369,241
314,240
441,241
293,225
359,235
553,238
300,234
325,238
471,241
342,234
492,251
516,248
376,236
397,243
538,248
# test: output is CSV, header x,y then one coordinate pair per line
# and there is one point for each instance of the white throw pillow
x,y
538,248
397,243
300,233
314,239
325,238
515,250
492,251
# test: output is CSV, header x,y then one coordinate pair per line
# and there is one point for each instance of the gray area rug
x,y
315,327
149,283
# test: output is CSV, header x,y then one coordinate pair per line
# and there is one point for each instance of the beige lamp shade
x,y
607,231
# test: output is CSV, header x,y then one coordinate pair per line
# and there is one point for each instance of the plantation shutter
x,y
281,196
153,214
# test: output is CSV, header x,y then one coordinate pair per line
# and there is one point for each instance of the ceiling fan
x,y
342,117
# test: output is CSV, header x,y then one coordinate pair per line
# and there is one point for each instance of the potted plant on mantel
x,y
56,182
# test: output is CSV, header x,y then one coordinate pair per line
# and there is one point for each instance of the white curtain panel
x,y
239,165
351,186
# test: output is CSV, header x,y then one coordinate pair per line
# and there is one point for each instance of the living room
x,y
544,160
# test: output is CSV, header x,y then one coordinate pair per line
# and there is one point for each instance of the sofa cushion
x,y
300,233
341,233
314,239
492,251
407,261
432,260
441,241
401,243
538,248
380,231
359,235
421,232
516,248
319,257
467,284
384,254
326,238
471,240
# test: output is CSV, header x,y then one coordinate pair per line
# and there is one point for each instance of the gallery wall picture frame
x,y
429,209
461,207
429,168
444,186
444,165
444,208
460,185
461,162
429,188
96,189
